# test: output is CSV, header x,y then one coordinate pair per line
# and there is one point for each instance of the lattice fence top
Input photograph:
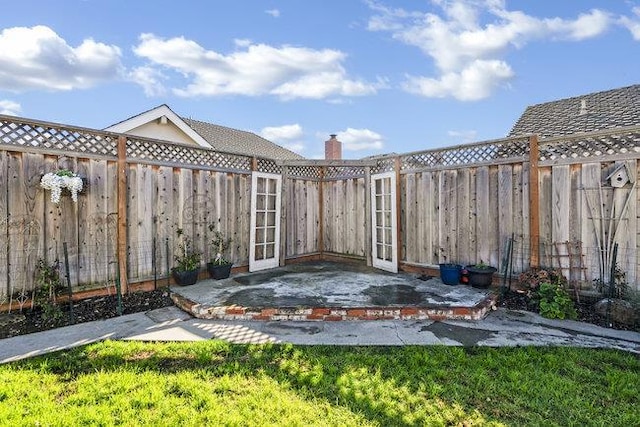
x,y
49,136
268,166
465,155
183,155
607,143
23,133
308,172
347,172
384,164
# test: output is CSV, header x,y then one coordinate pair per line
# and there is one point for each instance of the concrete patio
x,y
332,291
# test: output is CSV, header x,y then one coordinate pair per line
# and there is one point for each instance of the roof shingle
x,y
240,142
587,113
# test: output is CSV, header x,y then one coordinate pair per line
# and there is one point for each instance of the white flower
x,y
56,181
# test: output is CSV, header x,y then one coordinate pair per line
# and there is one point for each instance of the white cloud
x,y
468,40
360,139
280,133
464,135
273,12
288,136
150,80
258,69
10,108
38,58
633,25
476,81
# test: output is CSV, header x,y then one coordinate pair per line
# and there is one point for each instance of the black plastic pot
x,y
184,278
480,277
219,271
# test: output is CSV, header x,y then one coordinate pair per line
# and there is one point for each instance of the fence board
x,y
483,224
4,226
464,217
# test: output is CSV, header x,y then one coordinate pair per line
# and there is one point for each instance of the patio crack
x,y
395,327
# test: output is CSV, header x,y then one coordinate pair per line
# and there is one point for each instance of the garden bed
x,y
86,310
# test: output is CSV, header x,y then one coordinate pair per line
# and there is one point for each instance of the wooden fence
x,y
459,204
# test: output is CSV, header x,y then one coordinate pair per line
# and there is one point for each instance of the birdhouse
x,y
620,176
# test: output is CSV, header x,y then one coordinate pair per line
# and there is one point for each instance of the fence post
x,y
122,212
534,203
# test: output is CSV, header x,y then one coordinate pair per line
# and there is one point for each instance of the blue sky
x,y
386,76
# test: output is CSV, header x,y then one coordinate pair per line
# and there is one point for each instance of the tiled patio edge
x,y
235,312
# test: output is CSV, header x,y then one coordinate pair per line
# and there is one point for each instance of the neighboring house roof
x,y
162,123
239,141
586,113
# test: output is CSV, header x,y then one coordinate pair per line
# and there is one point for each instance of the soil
x,y
98,308
515,300
86,310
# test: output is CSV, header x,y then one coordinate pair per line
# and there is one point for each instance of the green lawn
x,y
216,383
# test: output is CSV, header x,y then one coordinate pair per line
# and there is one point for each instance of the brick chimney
x,y
332,149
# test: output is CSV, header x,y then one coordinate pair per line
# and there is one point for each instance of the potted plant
x,y
480,274
450,273
62,178
187,264
219,267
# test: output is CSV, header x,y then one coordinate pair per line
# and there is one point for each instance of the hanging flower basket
x,y
63,178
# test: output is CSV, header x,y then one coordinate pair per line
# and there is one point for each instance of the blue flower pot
x,y
450,273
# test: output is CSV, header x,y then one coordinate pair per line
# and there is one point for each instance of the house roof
x,y
586,113
208,135
240,142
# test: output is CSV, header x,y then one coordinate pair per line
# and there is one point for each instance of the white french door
x,y
264,242
383,222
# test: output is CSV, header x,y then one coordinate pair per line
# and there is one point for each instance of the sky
x,y
385,76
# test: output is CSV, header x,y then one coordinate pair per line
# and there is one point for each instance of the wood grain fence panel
x,y
165,216
473,218
464,217
133,260
4,227
483,218
17,266
289,186
590,228
230,205
522,217
410,231
327,209
361,218
94,238
304,212
505,209
198,216
626,224
546,224
313,216
240,244
340,224
147,184
448,215
494,234
351,213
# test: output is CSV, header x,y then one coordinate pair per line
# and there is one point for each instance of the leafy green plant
x,y
48,284
187,259
555,303
220,245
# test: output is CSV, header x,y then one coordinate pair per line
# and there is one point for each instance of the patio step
x,y
235,312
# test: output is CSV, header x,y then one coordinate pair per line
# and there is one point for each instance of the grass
x,y
216,383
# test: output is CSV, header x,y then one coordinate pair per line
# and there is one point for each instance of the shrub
x,y
554,302
48,285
